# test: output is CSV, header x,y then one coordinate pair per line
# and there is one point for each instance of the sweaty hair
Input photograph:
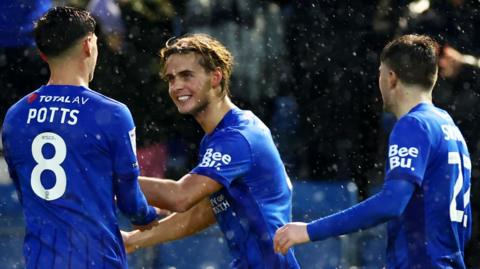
x,y
212,55
57,30
414,59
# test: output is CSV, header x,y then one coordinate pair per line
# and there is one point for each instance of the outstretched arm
x,y
178,196
173,227
388,204
132,202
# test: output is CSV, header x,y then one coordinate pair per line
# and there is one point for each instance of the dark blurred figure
x,y
453,62
333,48
21,69
454,23
109,16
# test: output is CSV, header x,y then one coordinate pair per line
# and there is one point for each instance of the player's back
x,y
60,142
436,224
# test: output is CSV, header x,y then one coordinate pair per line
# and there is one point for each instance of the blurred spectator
x,y
21,69
109,15
452,62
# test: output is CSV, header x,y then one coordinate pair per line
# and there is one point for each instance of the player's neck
x,y
411,99
68,73
211,116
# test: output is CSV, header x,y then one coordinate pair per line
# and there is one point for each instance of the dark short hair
x,y
212,54
58,29
414,59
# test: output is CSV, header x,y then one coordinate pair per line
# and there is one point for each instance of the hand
x,y
451,62
160,214
290,234
129,248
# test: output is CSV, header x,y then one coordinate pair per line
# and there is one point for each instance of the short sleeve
x,y
224,158
408,151
123,143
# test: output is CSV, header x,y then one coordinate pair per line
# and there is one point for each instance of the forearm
x,y
161,193
174,227
132,202
387,204
345,222
181,195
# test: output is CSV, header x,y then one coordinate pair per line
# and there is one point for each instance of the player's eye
x,y
187,75
168,79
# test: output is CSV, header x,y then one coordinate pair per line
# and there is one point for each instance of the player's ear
x,y
216,77
392,79
87,45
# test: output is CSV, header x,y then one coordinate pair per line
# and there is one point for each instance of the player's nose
x,y
175,86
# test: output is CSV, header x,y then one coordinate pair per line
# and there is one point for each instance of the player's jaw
x,y
383,85
387,100
93,57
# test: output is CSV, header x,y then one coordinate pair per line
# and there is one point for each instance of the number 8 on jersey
x,y
52,164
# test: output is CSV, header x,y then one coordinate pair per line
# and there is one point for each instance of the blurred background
x,y
308,69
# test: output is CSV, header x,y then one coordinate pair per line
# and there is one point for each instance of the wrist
x,y
151,216
311,231
136,240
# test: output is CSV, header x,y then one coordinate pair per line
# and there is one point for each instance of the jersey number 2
x,y
455,214
52,164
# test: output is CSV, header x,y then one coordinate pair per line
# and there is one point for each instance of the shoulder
x,y
414,128
243,123
108,105
411,122
20,105
111,115
105,100
248,124
431,119
230,135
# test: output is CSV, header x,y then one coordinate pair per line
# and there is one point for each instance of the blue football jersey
x,y
256,199
66,148
427,149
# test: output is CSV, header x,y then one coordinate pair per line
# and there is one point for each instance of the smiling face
x,y
189,85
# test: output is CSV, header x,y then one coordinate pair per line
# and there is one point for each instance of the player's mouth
x,y
183,98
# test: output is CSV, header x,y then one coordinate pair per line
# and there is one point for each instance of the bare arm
x,y
173,227
178,196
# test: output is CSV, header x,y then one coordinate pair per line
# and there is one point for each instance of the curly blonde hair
x,y
212,53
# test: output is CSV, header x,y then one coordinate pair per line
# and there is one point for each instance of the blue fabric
x,y
427,149
132,202
256,198
17,19
389,203
73,135
425,196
